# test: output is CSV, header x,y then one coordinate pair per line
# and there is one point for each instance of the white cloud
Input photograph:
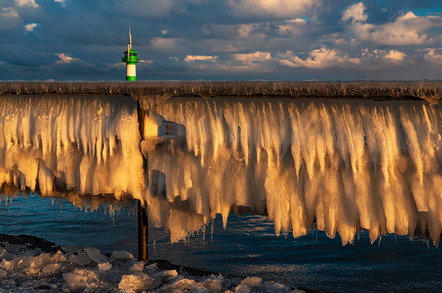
x,y
319,58
30,27
253,57
244,30
434,56
30,3
292,26
355,12
9,12
395,55
64,59
280,8
407,29
193,58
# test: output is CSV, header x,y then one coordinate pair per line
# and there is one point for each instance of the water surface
x,y
248,247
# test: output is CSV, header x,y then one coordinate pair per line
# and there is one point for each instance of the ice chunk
x,y
213,285
121,255
80,278
95,255
104,266
58,257
52,268
137,281
138,266
3,274
81,258
6,265
70,248
241,288
251,282
276,287
4,254
166,275
184,285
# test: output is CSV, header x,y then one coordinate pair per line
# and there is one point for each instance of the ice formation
x,y
342,164
86,145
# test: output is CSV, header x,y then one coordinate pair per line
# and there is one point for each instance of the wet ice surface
x,y
24,268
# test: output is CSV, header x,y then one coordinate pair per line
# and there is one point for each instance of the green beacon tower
x,y
130,57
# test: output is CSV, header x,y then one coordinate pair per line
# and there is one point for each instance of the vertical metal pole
x,y
142,216
142,233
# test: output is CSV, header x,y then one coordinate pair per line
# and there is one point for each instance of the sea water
x,y
247,247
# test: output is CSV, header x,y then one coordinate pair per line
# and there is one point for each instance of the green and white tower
x,y
130,57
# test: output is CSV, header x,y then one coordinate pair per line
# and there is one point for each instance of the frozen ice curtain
x,y
342,164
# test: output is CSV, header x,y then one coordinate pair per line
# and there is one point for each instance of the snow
x,y
30,270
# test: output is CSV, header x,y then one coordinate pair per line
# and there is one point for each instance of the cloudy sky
x,y
222,39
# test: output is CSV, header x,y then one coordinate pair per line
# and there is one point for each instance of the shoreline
x,y
33,264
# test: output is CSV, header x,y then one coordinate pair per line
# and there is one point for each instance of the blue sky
x,y
222,40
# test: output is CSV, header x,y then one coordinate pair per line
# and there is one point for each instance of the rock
x,y
9,246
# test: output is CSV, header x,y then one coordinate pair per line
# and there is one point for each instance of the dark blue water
x,y
248,247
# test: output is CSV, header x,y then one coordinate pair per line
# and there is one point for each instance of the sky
x,y
222,39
